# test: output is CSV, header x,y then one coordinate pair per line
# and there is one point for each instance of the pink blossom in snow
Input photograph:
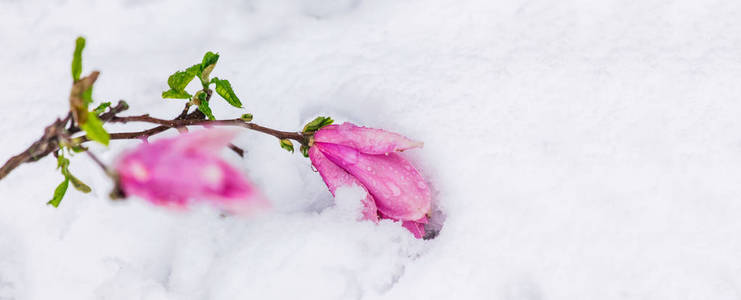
x,y
347,154
176,171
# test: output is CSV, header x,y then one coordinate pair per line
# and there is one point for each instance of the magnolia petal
x,y
228,188
174,171
335,177
365,140
416,228
399,190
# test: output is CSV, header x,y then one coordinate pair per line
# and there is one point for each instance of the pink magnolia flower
x,y
174,171
347,154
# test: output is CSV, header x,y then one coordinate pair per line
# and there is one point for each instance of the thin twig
x,y
49,142
99,162
297,136
237,150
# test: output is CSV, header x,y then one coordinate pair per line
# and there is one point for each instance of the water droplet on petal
x,y
138,170
212,174
394,189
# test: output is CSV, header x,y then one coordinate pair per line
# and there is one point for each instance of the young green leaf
x,y
59,193
203,104
87,96
173,94
194,69
246,117
180,80
203,107
304,150
317,124
78,184
207,65
224,89
287,145
77,149
209,59
77,58
101,108
62,162
94,129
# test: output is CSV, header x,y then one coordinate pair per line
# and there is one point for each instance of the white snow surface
x,y
580,149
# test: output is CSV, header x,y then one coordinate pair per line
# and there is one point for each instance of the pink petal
x,y
228,189
365,140
417,229
174,171
335,178
399,190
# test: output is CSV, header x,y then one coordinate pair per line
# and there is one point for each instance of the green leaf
x,y
305,150
78,184
173,94
203,105
209,59
180,80
77,58
59,193
207,65
101,108
246,117
62,162
287,145
224,89
317,124
195,69
94,129
77,149
204,76
87,96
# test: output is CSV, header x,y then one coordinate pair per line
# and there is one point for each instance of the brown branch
x,y
185,111
237,150
98,162
49,142
297,136
105,117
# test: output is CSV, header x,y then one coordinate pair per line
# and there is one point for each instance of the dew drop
x,y
394,189
212,174
138,170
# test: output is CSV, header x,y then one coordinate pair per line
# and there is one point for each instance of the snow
x,y
579,149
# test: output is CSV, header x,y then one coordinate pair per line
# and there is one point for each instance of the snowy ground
x,y
580,149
